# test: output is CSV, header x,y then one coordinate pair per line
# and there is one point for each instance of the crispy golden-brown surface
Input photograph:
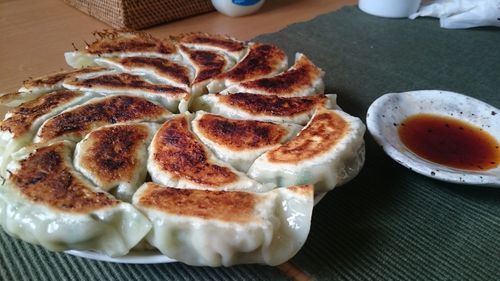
x,y
215,40
163,67
45,178
240,134
272,105
300,76
24,115
124,82
209,63
54,78
229,206
111,152
177,151
81,120
261,60
325,130
116,42
306,190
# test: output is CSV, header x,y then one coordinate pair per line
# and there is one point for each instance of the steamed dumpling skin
x,y
214,228
45,201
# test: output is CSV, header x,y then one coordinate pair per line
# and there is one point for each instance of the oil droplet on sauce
x,y
449,141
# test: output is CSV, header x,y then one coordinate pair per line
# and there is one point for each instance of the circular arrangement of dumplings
x,y
203,147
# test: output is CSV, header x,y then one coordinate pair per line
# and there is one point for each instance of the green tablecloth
x,y
387,224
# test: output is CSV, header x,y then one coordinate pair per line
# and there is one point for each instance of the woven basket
x,y
138,14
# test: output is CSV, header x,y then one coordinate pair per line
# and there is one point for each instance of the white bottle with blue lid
x,y
236,8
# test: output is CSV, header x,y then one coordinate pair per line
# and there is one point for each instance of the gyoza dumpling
x,y
14,99
207,64
328,152
35,87
265,108
240,142
44,201
213,42
178,159
74,123
262,60
214,228
160,70
302,79
21,123
115,156
121,44
54,81
173,98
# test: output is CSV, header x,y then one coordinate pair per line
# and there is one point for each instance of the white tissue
x,y
462,13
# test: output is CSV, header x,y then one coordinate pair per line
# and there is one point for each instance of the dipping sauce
x,y
449,141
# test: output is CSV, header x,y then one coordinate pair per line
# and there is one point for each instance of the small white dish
x,y
142,257
389,8
237,8
387,112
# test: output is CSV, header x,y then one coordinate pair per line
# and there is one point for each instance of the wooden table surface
x,y
35,33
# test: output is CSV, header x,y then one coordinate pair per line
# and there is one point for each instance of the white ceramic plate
x,y
387,112
142,257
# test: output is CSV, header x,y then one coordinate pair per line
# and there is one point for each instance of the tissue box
x,y
138,14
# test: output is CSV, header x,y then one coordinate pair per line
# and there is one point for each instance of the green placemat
x,y
388,223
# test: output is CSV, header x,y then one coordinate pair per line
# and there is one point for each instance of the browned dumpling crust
x,y
298,78
324,131
228,206
177,151
208,63
111,153
20,119
162,67
256,104
77,122
262,60
226,43
123,42
46,177
239,135
54,79
124,82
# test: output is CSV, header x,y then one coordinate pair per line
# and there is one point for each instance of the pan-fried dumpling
x,y
44,201
302,79
173,98
240,142
14,99
21,123
114,156
121,44
207,65
264,107
202,227
74,123
160,70
213,42
328,152
262,60
178,159
54,81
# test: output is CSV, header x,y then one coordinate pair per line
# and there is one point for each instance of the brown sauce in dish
x,y
449,141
